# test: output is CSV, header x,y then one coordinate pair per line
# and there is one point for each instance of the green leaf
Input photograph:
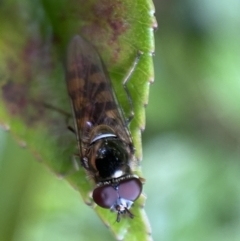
x,y
33,41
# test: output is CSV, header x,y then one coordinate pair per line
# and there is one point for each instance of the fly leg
x,y
64,113
51,107
70,128
125,81
75,158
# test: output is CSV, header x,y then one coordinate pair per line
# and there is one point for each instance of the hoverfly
x,y
105,145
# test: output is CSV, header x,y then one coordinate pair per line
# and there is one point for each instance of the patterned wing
x,y
89,87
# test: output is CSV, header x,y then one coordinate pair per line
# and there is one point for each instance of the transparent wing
x,y
93,99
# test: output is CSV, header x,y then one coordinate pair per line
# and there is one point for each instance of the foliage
x,y
34,36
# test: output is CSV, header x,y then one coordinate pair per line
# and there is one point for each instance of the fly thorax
x,y
111,159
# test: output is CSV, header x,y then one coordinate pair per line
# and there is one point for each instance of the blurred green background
x,y
190,145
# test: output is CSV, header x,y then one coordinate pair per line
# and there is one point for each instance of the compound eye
x,y
130,189
105,196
